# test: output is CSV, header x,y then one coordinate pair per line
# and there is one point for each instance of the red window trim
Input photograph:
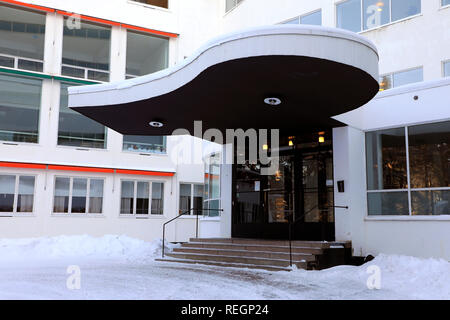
x,y
84,169
92,19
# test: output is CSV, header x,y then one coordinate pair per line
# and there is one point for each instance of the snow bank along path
x,y
120,267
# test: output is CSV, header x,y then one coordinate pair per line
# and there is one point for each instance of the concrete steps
x,y
260,254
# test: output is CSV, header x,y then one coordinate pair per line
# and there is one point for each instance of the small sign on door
x,y
257,185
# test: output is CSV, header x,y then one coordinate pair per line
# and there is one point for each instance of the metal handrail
x,y
291,223
180,215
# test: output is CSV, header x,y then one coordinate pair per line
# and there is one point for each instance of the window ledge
x,y
444,7
143,217
391,23
78,215
146,154
408,218
17,215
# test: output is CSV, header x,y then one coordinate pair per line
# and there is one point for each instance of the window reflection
x,y
386,159
429,155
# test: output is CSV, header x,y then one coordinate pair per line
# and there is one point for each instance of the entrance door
x,y
300,192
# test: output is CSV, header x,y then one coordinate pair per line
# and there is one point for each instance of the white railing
x,y
16,60
85,71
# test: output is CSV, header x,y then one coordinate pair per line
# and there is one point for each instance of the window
x,y
135,197
212,185
22,33
191,198
20,101
401,78
447,68
145,144
145,54
16,194
415,185
156,3
75,129
230,4
313,18
78,195
86,51
358,15
445,3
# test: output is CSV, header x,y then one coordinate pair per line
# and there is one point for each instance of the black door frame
x,y
313,231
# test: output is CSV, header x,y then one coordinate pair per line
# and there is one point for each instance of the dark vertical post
x,y
163,237
196,224
290,244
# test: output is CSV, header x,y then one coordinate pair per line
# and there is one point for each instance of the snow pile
x,y
83,246
416,278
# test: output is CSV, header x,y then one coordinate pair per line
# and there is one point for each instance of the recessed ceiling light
x,y
156,124
272,101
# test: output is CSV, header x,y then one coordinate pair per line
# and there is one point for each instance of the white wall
x,y
425,236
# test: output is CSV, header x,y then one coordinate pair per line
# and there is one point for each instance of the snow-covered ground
x,y
119,267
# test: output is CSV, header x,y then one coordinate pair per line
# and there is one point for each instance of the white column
x,y
117,73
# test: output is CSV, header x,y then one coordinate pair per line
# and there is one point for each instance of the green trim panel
x,y
45,76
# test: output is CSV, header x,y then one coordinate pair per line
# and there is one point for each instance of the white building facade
x,y
61,173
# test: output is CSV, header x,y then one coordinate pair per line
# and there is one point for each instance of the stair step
x,y
247,253
225,264
238,259
253,247
297,243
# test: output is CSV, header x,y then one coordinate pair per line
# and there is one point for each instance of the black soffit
x,y
231,94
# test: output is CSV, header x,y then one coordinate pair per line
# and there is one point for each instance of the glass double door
x,y
300,192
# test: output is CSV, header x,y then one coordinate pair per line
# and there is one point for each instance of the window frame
x,y
299,18
14,213
236,3
150,6
19,74
105,142
362,16
86,70
391,76
409,190
192,184
444,63
17,58
149,214
88,186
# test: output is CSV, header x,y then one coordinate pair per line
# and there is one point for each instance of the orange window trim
x,y
84,169
80,169
22,165
28,5
145,173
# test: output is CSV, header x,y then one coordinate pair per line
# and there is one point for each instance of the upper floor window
x,y
22,36
191,198
417,184
78,195
313,18
76,130
145,54
20,104
141,197
445,3
86,49
156,3
145,144
230,4
401,78
16,193
447,68
358,15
